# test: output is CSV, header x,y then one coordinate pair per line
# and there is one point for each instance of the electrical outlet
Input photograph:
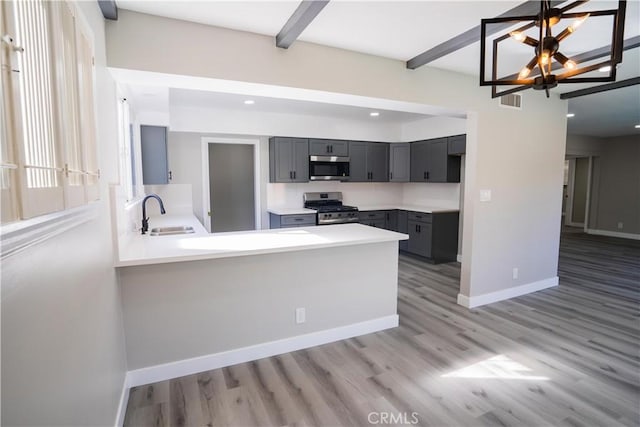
x,y
620,226
515,273
485,195
301,315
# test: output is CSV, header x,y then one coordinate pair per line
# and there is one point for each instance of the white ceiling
x,y
404,29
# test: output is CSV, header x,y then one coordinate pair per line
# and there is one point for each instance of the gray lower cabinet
x,y
420,233
155,163
433,236
457,145
291,221
325,147
288,159
399,162
403,227
373,218
431,162
369,161
391,220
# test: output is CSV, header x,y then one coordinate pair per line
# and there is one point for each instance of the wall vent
x,y
513,100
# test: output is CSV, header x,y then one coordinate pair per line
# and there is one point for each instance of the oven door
x,y
322,168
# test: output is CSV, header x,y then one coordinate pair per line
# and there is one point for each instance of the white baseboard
x,y
208,362
477,301
613,234
124,399
459,257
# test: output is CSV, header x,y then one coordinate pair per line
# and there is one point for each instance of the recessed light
x,y
605,69
571,115
637,126
249,102
374,114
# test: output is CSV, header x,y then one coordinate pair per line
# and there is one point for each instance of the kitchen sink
x,y
167,231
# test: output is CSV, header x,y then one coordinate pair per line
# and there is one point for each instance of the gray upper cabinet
x,y
288,159
155,164
369,161
399,162
328,147
431,162
457,145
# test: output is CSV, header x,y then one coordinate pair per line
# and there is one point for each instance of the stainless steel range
x,y
330,208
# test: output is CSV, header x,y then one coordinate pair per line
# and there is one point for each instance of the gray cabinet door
x,y
358,171
457,145
288,159
418,169
328,147
403,228
155,165
399,162
419,238
391,220
300,164
377,223
378,161
437,158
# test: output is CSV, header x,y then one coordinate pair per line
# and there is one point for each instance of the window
x,y
49,159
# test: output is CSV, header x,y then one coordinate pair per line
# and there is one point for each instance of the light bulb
x,y
524,73
544,58
569,65
578,22
517,35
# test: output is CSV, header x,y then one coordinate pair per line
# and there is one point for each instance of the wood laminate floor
x,y
566,356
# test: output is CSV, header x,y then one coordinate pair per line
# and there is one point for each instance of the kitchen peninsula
x,y
200,301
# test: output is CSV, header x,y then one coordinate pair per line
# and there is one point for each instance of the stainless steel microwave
x,y
323,168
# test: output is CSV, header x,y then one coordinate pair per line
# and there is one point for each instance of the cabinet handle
x,y
427,175
419,228
298,219
390,175
170,175
424,175
294,174
290,175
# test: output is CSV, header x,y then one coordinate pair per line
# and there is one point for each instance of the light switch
x,y
485,195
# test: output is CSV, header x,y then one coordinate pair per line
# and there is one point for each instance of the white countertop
x,y
147,250
290,211
414,208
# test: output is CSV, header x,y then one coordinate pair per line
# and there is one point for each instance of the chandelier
x,y
549,66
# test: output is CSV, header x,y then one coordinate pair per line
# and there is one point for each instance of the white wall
x,y
615,181
507,150
236,121
432,127
63,356
616,186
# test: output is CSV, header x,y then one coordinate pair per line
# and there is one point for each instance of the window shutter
x,y
87,111
40,170
67,78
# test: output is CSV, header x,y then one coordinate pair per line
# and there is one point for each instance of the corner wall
x,y
63,356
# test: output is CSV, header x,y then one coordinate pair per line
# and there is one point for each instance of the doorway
x,y
577,192
230,185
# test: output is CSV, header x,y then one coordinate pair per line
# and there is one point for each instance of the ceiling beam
x,y
109,9
531,7
301,18
601,88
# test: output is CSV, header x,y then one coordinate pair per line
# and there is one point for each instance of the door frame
x,y
206,200
568,219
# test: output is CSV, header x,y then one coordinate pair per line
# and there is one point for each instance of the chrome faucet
x,y
145,220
